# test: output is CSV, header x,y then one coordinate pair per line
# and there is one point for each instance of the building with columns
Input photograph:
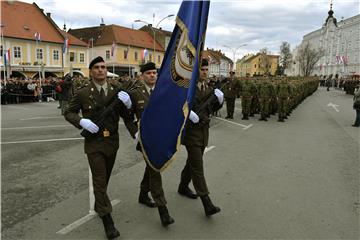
x,y
340,41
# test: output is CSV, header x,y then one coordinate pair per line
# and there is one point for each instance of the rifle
x,y
102,115
209,99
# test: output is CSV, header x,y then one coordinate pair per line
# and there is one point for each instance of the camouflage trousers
x,y
245,105
264,107
282,107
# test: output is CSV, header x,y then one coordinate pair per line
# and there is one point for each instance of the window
x,y
255,65
136,56
56,55
150,57
1,50
17,52
107,54
158,58
72,57
39,53
125,53
82,57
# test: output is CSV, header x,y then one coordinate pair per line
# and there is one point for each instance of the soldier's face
x,y
98,72
204,73
150,77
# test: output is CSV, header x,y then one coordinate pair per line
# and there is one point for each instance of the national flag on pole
x,y
7,57
144,54
66,45
90,43
113,46
126,51
164,117
345,60
37,36
7,62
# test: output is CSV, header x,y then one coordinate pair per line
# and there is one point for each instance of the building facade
x,y
219,64
123,49
33,44
257,65
340,42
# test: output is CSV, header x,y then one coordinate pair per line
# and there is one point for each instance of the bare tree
x,y
307,58
265,61
285,56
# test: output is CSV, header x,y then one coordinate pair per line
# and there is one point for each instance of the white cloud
x,y
258,23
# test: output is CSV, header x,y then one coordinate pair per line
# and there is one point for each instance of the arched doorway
x,y
76,73
47,74
17,74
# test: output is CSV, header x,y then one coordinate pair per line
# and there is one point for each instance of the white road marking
x,y
43,140
82,220
334,106
207,149
34,127
35,118
235,123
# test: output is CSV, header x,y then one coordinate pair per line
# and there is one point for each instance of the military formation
x,y
267,96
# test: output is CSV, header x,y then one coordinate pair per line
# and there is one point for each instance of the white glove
x,y
89,125
125,98
137,135
220,95
193,117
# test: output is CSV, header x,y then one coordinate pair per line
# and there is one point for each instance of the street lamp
x,y
234,52
153,29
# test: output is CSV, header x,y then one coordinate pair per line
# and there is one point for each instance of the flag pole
x,y
3,55
127,55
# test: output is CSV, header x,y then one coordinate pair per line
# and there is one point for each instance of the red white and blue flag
x,y
37,37
66,45
144,54
113,46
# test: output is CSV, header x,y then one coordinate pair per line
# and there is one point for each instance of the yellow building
x,y
122,48
257,65
36,44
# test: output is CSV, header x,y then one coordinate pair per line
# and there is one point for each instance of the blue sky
x,y
256,23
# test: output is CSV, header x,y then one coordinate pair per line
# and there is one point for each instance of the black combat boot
x,y
110,230
165,218
146,200
209,207
184,190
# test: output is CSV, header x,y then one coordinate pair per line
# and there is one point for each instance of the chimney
x,y
48,15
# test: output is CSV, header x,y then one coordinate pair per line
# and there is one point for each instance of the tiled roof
x,y
22,20
217,55
107,34
73,40
158,30
208,55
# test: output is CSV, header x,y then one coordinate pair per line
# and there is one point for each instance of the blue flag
x,y
164,117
